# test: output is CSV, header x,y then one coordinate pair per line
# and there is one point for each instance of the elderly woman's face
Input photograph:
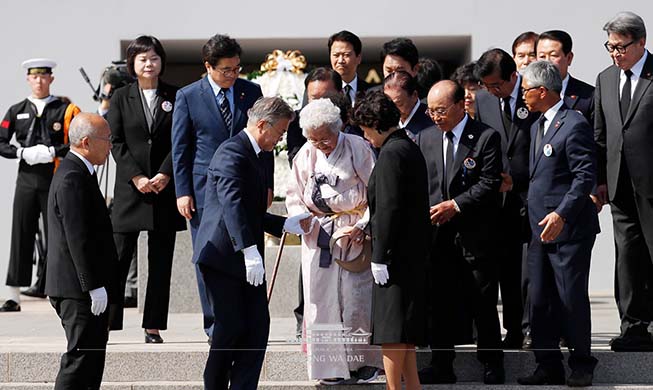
x,y
323,139
147,65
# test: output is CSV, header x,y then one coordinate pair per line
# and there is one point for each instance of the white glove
x,y
43,154
380,273
99,300
30,154
292,224
254,270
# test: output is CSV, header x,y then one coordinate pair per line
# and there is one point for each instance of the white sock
x,y
14,294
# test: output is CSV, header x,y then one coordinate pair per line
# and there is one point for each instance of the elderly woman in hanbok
x,y
330,174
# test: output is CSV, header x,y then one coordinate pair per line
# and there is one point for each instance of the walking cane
x,y
276,264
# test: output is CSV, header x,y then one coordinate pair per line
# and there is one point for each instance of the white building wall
x,y
88,33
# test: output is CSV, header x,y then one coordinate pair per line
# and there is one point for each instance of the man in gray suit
x,y
624,134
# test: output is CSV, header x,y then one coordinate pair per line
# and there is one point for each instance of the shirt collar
x,y
639,65
353,84
515,90
551,112
257,149
565,82
458,129
216,88
89,166
410,116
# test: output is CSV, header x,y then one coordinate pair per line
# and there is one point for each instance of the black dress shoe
x,y
580,379
528,342
439,375
33,292
632,343
494,374
151,338
554,375
9,305
513,341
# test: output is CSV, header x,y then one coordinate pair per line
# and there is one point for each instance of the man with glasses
x,y
624,134
463,159
564,223
207,113
501,107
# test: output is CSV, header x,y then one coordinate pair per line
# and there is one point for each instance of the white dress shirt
x,y
637,71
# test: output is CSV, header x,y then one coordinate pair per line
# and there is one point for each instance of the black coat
x,y
139,151
579,96
475,189
81,252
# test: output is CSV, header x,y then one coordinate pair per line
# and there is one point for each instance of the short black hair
x,y
465,74
376,111
220,46
528,36
401,47
429,72
324,74
349,37
143,44
495,60
458,93
401,79
558,36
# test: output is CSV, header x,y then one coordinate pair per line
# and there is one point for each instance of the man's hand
x,y
380,273
186,206
506,182
159,182
602,193
597,203
142,184
442,212
99,300
37,154
553,224
254,270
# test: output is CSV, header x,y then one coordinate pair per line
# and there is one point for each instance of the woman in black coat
x,y
140,117
399,218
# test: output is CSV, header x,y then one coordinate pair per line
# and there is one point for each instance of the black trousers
x,y
29,204
205,297
240,332
450,268
160,250
559,281
632,220
82,365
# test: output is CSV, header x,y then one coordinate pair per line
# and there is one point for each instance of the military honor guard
x,y
39,124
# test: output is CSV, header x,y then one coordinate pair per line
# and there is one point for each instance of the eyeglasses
x,y
320,142
527,90
438,111
230,71
621,49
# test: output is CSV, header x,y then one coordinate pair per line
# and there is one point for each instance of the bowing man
x,y
564,223
229,247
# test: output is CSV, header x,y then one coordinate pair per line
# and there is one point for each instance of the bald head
x,y
448,90
446,101
90,136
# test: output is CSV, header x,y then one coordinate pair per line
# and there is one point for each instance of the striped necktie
x,y
223,103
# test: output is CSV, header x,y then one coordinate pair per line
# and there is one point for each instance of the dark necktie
x,y
347,91
540,134
448,169
507,114
223,103
625,96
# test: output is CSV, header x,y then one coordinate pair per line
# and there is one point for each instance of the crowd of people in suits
x,y
417,202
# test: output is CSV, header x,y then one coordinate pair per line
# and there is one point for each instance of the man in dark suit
x,y
82,261
564,223
401,88
207,113
345,53
229,245
463,159
501,107
624,133
555,46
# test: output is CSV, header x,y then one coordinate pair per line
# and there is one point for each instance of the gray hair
x,y
626,23
318,113
543,74
83,126
270,110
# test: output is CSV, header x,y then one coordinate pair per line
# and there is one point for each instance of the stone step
x,y
305,385
287,363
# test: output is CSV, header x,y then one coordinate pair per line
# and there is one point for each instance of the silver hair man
x,y
319,113
270,110
82,126
543,74
628,24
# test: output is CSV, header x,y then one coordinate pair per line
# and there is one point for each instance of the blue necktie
x,y
223,103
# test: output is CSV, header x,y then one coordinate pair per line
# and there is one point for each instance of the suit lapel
x,y
642,85
465,145
555,125
239,106
136,103
209,100
570,98
256,162
516,120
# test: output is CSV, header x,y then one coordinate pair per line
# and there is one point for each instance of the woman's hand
x,y
142,184
357,235
159,182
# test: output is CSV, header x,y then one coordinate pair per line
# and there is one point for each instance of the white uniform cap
x,y
39,65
